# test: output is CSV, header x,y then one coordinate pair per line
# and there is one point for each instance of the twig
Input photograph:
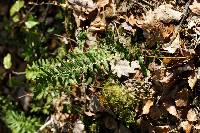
x,y
167,57
43,3
45,125
65,38
25,96
178,28
147,3
18,73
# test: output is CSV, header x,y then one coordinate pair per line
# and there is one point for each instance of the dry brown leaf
x,y
83,10
197,127
192,115
132,20
170,107
172,111
195,7
89,113
110,10
147,107
187,126
89,5
78,127
161,129
163,13
167,78
167,31
102,3
174,45
97,25
192,81
126,26
124,67
181,98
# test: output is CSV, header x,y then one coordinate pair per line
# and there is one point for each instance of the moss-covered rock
x,y
122,102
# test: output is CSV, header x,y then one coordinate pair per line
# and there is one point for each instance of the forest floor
x,y
129,65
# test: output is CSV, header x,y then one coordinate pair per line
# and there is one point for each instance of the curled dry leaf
x,y
195,7
156,32
187,126
192,115
147,107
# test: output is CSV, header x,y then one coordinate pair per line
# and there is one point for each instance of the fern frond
x,y
19,123
16,120
52,76
62,72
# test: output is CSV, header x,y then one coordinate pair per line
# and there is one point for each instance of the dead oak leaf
x,y
124,67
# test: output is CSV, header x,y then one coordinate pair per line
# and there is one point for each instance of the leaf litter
x,y
169,37
170,42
